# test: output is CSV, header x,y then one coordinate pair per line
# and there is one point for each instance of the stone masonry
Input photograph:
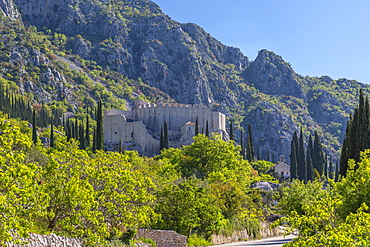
x,y
139,129
163,238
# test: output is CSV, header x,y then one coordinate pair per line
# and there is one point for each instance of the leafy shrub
x,y
195,240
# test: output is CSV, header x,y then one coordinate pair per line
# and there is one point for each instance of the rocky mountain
x,y
69,53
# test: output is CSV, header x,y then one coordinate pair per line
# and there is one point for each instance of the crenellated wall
x,y
142,125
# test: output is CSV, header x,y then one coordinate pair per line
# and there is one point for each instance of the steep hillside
x,y
70,53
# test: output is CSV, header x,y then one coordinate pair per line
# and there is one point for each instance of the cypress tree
x,y
318,155
293,156
344,156
207,129
331,168
87,134
94,140
51,133
34,131
99,127
77,135
231,130
250,149
309,164
165,135
301,159
241,144
161,140
82,136
196,126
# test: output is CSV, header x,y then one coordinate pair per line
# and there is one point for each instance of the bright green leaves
x,y
188,205
19,189
331,215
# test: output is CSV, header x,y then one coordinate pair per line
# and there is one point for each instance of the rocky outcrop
x,y
8,9
272,75
137,40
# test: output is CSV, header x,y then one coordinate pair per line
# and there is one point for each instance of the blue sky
x,y
326,37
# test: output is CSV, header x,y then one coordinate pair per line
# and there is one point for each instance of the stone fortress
x,y
139,129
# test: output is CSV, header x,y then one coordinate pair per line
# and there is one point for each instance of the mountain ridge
x,y
150,55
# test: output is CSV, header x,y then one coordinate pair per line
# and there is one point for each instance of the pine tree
x,y
301,159
231,130
51,133
165,135
293,156
309,164
250,147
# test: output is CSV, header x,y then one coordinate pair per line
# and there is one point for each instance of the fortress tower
x,y
139,129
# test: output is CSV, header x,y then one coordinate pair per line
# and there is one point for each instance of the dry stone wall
x,y
163,238
52,240
243,235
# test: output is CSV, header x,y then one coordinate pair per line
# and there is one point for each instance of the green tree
x,y
293,156
99,138
250,146
21,198
196,126
318,155
51,133
165,135
309,162
231,133
34,128
301,159
188,206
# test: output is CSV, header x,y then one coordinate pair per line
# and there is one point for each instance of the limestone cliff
x,y
121,50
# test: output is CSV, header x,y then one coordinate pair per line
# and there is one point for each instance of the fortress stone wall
x,y
139,129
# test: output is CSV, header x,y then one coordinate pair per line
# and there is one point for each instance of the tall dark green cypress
x,y
207,129
196,126
82,136
344,156
34,131
250,147
51,133
301,159
161,140
293,156
331,168
309,164
231,134
87,133
241,144
318,155
99,127
165,135
357,136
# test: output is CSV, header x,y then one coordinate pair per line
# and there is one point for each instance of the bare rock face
x,y
179,59
272,75
8,9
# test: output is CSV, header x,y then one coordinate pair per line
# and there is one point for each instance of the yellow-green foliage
x,y
331,215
